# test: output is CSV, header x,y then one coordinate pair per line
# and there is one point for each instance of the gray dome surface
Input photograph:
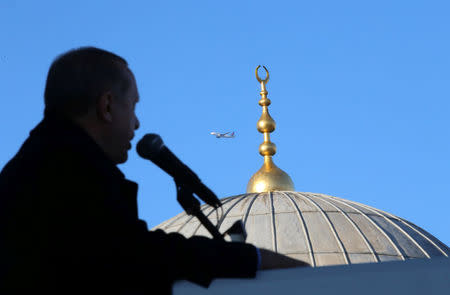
x,y
316,228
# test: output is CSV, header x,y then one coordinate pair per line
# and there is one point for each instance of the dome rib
x,y
417,231
249,208
219,223
333,230
398,227
305,230
355,226
274,230
184,224
209,213
374,224
171,221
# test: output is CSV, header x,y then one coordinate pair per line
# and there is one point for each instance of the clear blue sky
x,y
359,90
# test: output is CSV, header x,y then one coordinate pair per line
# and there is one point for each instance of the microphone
x,y
152,147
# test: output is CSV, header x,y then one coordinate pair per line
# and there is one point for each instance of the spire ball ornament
x,y
269,178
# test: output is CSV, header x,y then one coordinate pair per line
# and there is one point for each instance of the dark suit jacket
x,y
69,224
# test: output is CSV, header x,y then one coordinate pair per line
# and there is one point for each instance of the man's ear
x,y
104,105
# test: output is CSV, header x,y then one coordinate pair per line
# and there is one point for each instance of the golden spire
x,y
269,177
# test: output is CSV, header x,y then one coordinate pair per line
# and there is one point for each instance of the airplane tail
x,y
232,134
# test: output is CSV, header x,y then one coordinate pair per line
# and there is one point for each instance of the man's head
x,y
96,89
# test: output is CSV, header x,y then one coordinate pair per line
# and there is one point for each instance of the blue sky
x,y
359,90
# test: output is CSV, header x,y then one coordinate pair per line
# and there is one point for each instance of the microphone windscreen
x,y
150,146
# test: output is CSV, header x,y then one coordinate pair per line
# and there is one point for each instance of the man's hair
x,y
78,77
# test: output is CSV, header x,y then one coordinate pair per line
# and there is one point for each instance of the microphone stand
x,y
192,207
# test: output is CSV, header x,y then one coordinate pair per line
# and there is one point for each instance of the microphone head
x,y
150,146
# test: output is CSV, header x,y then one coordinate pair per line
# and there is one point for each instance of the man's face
x,y
124,122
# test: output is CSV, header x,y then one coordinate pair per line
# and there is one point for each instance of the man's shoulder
x,y
59,146
39,158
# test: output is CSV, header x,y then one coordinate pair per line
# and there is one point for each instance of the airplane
x,y
223,135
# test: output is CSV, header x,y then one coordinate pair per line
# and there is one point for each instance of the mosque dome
x,y
315,228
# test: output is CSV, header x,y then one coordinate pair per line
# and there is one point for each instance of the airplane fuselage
x,y
223,135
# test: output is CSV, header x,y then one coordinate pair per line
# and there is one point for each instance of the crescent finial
x,y
258,78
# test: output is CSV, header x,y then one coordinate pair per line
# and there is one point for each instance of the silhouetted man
x,y
68,216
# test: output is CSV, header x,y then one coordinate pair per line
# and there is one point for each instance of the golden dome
x,y
269,178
